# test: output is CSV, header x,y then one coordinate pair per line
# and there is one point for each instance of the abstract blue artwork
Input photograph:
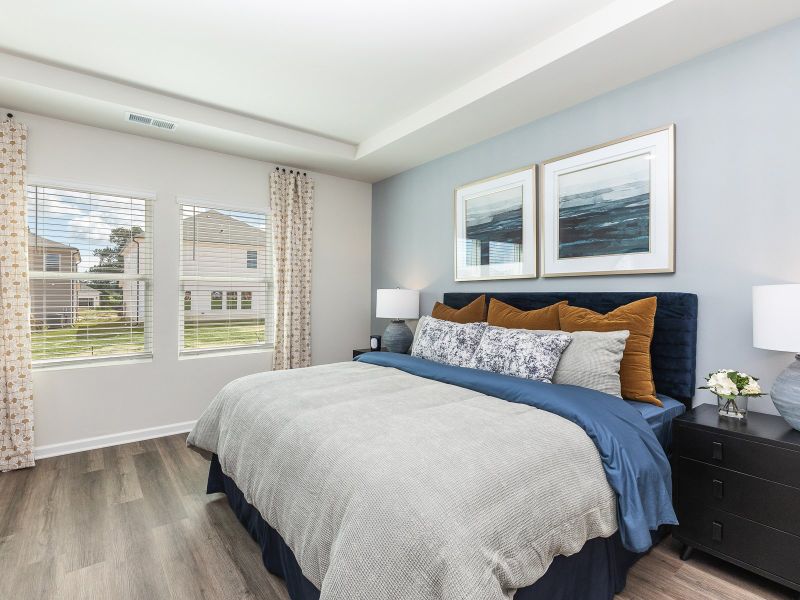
x,y
604,209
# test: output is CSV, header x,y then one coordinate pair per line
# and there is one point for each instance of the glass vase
x,y
732,407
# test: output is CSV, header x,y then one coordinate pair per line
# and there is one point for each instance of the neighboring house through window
x,y
90,264
232,305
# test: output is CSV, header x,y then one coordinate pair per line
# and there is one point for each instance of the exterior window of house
x,y
213,242
90,261
52,262
216,300
232,300
247,300
187,300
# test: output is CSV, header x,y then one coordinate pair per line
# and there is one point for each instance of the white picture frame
x,y
610,209
495,234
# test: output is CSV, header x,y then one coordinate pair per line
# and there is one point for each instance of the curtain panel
x,y
292,204
16,408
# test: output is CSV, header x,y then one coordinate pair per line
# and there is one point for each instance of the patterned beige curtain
x,y
292,202
16,408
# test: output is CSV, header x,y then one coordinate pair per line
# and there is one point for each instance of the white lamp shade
x,y
776,317
397,304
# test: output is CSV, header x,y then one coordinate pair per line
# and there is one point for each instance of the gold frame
x,y
670,199
534,230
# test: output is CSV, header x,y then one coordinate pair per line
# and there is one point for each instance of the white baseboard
x,y
114,439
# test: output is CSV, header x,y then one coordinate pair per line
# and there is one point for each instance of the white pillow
x,y
520,352
447,342
592,361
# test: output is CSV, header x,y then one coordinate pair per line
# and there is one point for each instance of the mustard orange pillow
x,y
473,312
505,315
635,371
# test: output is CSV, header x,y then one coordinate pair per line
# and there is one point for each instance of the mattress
x,y
660,418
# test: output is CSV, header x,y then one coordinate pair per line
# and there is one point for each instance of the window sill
x,y
82,363
218,352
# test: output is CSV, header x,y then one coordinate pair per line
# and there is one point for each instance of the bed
x,y
591,555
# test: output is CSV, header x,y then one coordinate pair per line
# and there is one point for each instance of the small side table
x,y
737,489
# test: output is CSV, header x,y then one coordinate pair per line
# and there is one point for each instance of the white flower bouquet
x,y
732,389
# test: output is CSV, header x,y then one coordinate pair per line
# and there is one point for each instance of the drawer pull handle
x,y
719,489
716,450
716,531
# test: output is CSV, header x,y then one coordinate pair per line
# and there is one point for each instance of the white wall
x,y
83,402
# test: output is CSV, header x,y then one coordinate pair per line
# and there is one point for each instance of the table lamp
x,y
776,326
397,305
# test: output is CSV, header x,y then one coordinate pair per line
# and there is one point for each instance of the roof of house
x,y
213,226
43,244
47,243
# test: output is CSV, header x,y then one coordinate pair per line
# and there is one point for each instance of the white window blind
x,y
90,261
226,295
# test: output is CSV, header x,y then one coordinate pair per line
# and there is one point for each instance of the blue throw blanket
x,y
635,464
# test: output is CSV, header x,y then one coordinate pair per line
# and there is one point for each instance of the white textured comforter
x,y
390,486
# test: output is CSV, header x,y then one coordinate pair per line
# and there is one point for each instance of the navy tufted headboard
x,y
674,346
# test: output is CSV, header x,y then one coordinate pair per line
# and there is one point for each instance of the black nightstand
x,y
361,351
737,491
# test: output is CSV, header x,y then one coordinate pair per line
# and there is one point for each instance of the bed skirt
x,y
597,572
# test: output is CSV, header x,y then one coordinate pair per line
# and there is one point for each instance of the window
x,y
52,262
187,300
90,262
232,299
213,243
216,300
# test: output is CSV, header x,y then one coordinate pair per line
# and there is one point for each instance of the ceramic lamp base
x,y
786,393
397,337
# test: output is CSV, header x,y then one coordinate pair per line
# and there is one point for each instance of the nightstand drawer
x,y
768,462
758,545
773,504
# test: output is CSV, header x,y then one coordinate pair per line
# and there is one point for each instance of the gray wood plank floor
x,y
134,521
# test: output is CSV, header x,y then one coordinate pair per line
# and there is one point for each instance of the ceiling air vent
x,y
149,121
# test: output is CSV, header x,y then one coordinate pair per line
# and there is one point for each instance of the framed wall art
x,y
610,209
495,227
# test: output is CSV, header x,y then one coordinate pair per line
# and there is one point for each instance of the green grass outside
x,y
99,332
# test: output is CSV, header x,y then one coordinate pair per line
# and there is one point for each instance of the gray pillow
x,y
520,352
417,331
592,361
447,342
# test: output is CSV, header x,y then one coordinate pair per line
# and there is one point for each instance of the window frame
x,y
46,262
249,300
269,283
149,197
220,300
231,294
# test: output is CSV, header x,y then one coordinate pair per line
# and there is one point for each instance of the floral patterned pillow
x,y
447,342
520,352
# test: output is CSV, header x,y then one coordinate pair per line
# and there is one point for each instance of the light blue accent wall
x,y
737,117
